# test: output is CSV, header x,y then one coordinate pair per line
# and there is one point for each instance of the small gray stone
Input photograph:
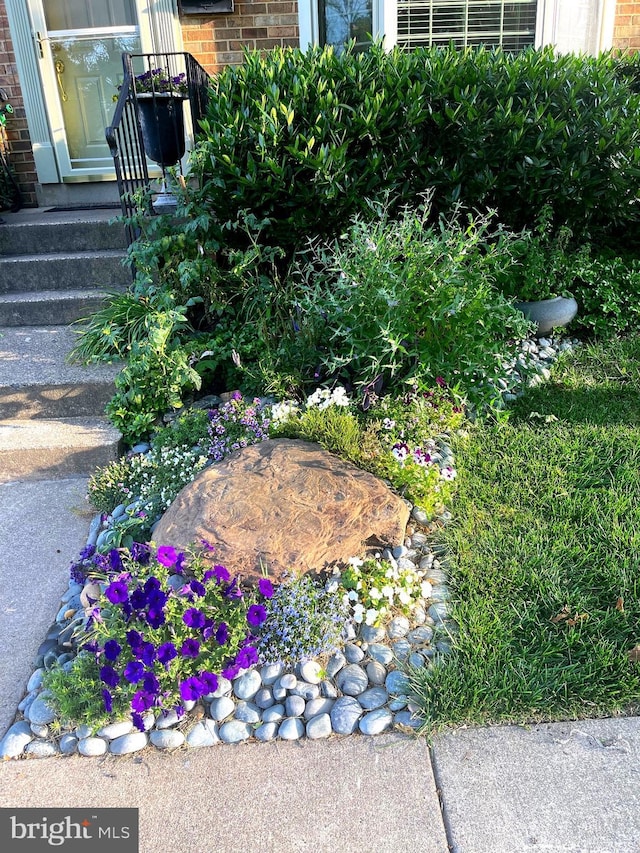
x,y
319,727
294,706
288,681
440,592
167,719
40,712
142,447
92,746
247,712
221,708
279,692
266,732
398,704
133,742
311,671
380,653
348,632
420,515
68,744
41,749
273,714
375,722
418,539
398,627
376,672
335,664
401,649
374,697
291,728
352,680
271,672
234,731
420,636
397,683
307,691
264,698
406,565
328,690
425,563
167,738
318,706
204,733
399,551
83,732
28,700
345,715
418,616
444,647
148,720
372,633
35,682
438,612
224,688
407,718
353,653
416,660
15,740
114,730
39,731
188,704
247,685
436,576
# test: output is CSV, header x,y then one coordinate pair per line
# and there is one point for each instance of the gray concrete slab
x,y
352,795
43,526
559,787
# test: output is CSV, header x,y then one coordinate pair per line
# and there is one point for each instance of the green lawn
x,y
545,553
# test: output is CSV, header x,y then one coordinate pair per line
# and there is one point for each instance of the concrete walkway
x,y
564,787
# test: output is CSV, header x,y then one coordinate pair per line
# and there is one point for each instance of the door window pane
x,y
85,14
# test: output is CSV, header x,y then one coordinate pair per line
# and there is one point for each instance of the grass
x,y
545,553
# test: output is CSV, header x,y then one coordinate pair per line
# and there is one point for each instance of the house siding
x,y
626,33
219,41
19,144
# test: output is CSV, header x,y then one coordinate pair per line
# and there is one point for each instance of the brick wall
x,y
626,34
19,144
216,41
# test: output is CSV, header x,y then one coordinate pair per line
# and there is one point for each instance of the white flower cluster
x,y
282,412
322,398
162,473
382,588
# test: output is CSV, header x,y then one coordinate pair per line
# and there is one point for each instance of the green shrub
x,y
400,301
307,140
607,289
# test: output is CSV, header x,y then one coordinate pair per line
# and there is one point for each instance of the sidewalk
x,y
558,788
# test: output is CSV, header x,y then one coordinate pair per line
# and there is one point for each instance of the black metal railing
x,y
164,73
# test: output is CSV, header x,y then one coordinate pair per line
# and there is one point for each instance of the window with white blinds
x,y
467,22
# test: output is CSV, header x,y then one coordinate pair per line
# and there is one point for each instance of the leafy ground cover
x,y
544,553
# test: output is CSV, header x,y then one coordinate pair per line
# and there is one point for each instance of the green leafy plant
x,y
398,300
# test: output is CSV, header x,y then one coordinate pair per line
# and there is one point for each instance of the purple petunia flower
x,y
141,701
265,587
222,634
220,573
156,617
107,698
167,555
194,618
230,671
209,682
150,683
232,591
109,676
117,592
246,657
198,588
166,652
135,640
138,599
147,653
256,615
191,689
140,553
134,671
190,648
115,560
112,649
138,722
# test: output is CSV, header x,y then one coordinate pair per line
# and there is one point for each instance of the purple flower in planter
x,y
231,671
194,618
246,657
138,599
265,587
147,653
140,553
167,555
107,698
220,573
166,653
138,722
141,701
191,689
115,560
222,634
209,682
150,683
135,640
198,588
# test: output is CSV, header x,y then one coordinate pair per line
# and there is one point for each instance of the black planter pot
x,y
162,125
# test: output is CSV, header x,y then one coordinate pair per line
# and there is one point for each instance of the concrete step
x,y
37,382
63,271
43,232
49,307
51,449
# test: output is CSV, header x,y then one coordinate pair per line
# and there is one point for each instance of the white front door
x,y
79,46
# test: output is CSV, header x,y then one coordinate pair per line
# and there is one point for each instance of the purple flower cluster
x,y
237,424
169,639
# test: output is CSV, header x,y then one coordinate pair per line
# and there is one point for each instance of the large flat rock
x,y
284,505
